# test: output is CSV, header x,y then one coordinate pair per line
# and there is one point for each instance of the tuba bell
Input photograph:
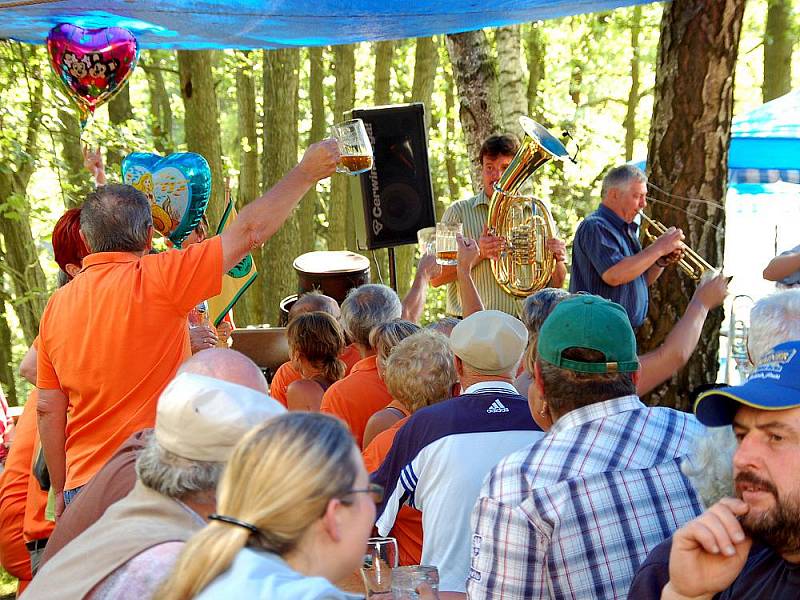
x,y
526,265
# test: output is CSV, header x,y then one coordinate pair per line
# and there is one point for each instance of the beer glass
x,y
380,559
406,580
427,240
446,244
354,147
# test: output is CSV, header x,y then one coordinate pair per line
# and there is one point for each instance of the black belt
x,y
35,545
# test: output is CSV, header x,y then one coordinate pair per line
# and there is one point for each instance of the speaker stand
x,y
392,269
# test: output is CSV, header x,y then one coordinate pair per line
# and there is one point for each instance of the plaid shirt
x,y
574,514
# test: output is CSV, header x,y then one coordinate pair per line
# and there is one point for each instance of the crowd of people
x,y
505,444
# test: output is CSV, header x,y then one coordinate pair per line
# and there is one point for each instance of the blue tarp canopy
x,y
765,143
196,24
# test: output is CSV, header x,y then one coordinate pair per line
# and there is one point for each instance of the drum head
x,y
341,261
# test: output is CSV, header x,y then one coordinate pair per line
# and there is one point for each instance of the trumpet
x,y
690,263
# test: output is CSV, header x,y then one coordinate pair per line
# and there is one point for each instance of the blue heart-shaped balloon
x,y
178,187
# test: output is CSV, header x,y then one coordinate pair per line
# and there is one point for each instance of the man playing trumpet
x,y
607,257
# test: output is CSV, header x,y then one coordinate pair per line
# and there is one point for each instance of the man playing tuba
x,y
607,257
496,154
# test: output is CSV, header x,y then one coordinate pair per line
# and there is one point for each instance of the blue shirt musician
x,y
607,257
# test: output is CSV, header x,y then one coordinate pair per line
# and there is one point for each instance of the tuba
x,y
690,263
526,265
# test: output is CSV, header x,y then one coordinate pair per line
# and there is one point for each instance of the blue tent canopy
x,y
765,143
198,24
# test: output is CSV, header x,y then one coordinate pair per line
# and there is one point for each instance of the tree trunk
x,y
688,156
384,51
535,53
381,90
453,176
633,95
201,121
476,78
250,308
6,360
75,179
119,113
21,259
513,102
21,262
316,96
778,46
160,107
340,214
281,80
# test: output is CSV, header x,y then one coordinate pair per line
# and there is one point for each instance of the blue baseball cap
x,y
775,385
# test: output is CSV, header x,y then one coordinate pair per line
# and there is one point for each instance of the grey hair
x,y
384,337
620,177
366,307
174,476
710,464
773,320
116,218
444,325
536,308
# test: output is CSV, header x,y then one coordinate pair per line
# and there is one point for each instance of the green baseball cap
x,y
586,321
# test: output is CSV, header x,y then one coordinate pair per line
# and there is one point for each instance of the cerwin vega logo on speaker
x,y
377,211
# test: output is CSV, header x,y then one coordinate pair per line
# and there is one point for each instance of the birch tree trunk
x,y
476,79
513,102
688,156
201,121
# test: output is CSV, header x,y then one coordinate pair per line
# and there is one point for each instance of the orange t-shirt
x,y
286,373
357,397
13,492
113,338
408,524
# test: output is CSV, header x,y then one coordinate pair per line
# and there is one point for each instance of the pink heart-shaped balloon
x,y
93,64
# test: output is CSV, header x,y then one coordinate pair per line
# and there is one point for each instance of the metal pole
x,y
392,269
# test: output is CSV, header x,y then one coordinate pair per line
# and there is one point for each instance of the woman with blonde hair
x,y
316,341
383,338
294,511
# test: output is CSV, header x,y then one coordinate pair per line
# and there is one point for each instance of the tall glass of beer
x,y
446,244
354,147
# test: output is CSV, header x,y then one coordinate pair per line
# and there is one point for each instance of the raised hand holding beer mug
x,y
354,147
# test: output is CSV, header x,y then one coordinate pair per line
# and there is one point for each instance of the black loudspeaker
x,y
397,195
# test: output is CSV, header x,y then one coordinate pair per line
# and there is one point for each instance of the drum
x,y
265,346
334,273
285,307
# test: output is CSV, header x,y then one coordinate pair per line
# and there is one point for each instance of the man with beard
x,y
749,546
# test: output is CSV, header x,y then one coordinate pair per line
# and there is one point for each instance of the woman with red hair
x,y
68,245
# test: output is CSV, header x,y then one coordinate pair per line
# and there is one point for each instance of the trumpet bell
x,y
691,263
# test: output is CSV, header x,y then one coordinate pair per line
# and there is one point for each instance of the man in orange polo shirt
x,y
286,373
98,388
358,396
